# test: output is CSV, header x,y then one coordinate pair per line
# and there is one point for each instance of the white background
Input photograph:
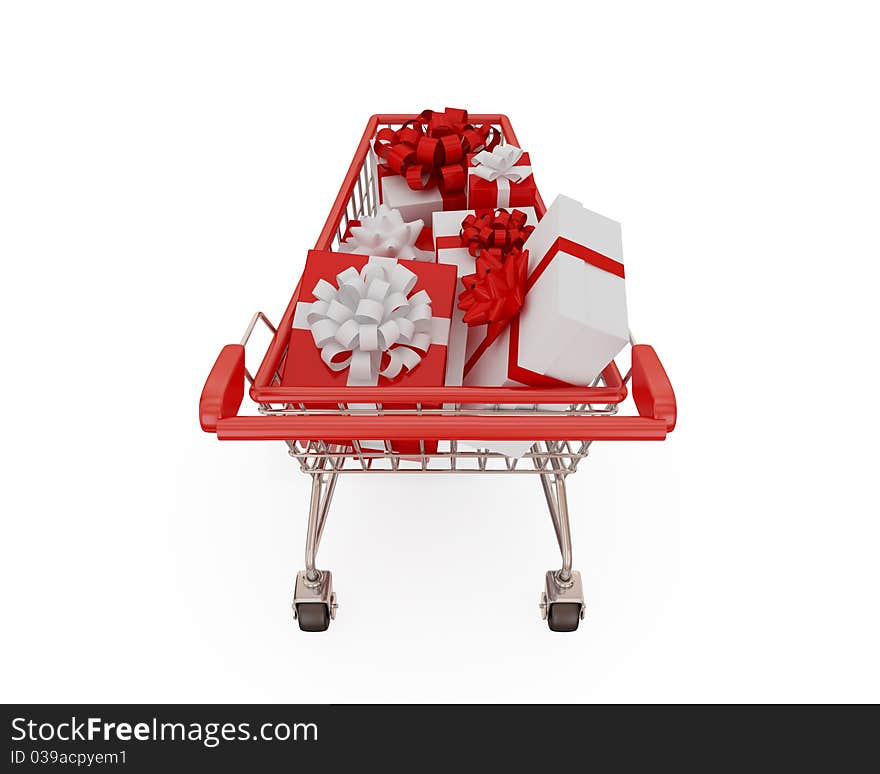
x,y
165,166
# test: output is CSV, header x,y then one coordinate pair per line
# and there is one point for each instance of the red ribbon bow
x,y
497,230
432,149
495,292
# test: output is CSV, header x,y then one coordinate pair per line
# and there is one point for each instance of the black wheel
x,y
564,616
313,616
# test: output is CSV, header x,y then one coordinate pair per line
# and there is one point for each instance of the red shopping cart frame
x,y
224,389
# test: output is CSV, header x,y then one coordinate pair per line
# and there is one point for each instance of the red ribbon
x,y
495,230
496,291
432,149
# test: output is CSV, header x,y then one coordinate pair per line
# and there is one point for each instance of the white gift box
x,y
417,205
574,319
464,339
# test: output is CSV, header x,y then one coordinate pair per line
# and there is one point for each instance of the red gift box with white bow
x,y
501,178
367,321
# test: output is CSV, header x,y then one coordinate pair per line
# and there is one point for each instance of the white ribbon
x,y
385,235
499,166
368,314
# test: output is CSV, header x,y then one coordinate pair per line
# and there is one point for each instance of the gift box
x,y
422,165
367,321
386,234
573,321
501,178
417,204
454,247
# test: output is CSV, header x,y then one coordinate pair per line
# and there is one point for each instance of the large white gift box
x,y
574,319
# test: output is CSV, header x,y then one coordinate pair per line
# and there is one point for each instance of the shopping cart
x,y
320,425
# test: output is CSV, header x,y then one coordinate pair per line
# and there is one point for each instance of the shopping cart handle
x,y
224,389
651,389
341,429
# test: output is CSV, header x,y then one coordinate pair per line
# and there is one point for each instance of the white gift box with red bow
x,y
464,339
450,248
418,204
574,319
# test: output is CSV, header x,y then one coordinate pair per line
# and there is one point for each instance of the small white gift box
x,y
417,204
463,339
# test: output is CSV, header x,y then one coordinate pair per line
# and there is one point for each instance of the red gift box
x,y
304,366
514,183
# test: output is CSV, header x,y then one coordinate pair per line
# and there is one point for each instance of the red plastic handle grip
x,y
436,428
651,388
224,389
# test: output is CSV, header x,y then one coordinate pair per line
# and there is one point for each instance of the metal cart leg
x,y
314,601
562,602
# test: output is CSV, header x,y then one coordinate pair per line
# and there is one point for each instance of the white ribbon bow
x,y
369,314
500,164
385,235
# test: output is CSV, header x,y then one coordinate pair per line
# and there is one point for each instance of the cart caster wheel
x,y
564,616
313,616
314,601
562,603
